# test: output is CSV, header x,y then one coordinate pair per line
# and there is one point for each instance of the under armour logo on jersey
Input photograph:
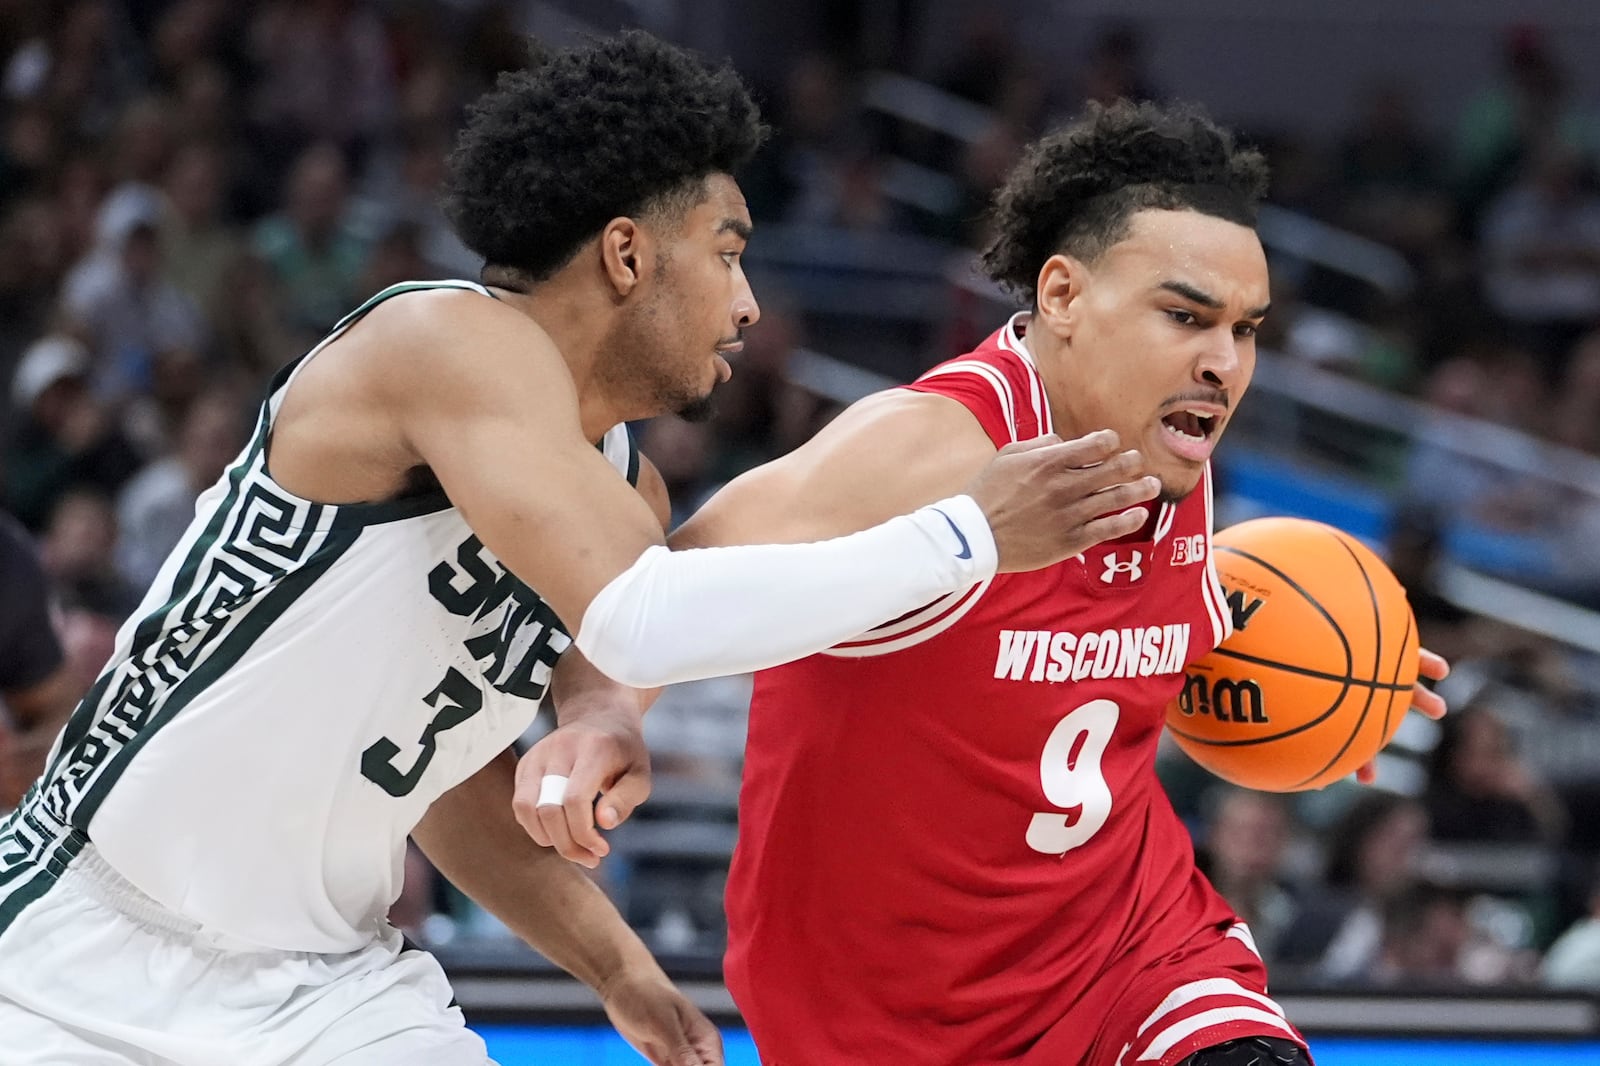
x,y
1115,566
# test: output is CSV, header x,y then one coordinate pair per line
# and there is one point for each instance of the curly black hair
x,y
619,127
1075,189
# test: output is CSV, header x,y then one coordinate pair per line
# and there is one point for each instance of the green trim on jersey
x,y
45,875
232,648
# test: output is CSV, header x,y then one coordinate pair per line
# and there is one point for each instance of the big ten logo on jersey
x,y
513,637
1186,551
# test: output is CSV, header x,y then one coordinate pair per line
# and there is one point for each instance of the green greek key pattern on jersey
x,y
258,553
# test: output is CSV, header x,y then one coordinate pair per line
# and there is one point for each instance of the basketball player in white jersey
x,y
347,640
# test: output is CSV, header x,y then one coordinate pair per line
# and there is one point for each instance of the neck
x,y
1049,357
575,315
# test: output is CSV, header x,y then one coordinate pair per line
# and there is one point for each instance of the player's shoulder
x,y
441,315
452,337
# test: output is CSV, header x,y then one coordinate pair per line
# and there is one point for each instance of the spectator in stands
x,y
157,505
1425,934
1373,853
1389,172
326,73
198,242
1243,856
1573,961
314,255
78,551
254,336
37,693
1541,253
134,318
63,436
1502,126
1479,791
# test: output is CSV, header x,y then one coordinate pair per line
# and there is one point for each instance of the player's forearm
x,y
581,692
679,616
473,838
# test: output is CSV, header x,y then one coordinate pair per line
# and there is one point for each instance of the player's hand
x,y
660,1023
1424,699
601,755
1049,499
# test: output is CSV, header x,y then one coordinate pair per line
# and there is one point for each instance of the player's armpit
x,y
654,490
886,455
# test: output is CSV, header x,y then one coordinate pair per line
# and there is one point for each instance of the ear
x,y
1060,286
626,254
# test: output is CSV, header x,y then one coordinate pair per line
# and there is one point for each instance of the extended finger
x,y
1088,450
1110,527
1429,702
1432,666
1042,441
541,761
559,820
588,779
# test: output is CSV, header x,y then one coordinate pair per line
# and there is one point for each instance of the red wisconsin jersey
x,y
953,846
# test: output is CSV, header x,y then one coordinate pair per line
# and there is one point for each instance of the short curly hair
x,y
620,127
1075,190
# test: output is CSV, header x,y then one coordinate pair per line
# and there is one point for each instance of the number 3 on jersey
x,y
1069,771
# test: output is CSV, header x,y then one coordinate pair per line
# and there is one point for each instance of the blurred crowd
x,y
192,192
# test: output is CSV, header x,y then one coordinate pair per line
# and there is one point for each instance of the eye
x,y
1245,329
730,258
1182,317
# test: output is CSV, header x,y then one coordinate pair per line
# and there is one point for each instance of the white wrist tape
x,y
705,612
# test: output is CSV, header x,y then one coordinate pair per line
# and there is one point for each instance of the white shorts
x,y
95,973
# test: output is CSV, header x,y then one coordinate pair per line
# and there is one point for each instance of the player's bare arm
x,y
597,745
470,835
479,396
899,450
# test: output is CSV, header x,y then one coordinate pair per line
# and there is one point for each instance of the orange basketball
x,y
1318,673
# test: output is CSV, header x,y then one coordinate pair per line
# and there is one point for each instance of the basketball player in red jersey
x,y
954,850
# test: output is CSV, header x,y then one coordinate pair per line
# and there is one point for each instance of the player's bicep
x,y
495,417
887,455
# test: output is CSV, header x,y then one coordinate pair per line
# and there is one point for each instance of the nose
x,y
746,312
1222,364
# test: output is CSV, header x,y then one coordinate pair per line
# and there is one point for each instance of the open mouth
x,y
1190,424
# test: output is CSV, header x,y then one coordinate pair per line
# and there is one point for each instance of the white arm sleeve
x,y
705,612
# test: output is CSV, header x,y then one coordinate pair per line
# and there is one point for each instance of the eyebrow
x,y
1205,299
737,227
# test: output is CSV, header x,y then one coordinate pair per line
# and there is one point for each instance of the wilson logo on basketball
x,y
1222,698
1242,609
1131,568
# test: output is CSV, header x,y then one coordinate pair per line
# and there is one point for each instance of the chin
x,y
1174,489
701,409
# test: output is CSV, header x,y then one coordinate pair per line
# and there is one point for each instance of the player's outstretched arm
x,y
470,835
487,404
900,450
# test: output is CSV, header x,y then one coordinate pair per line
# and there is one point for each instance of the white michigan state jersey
x,y
300,683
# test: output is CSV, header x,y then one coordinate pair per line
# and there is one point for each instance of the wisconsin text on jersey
x,y
1138,651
